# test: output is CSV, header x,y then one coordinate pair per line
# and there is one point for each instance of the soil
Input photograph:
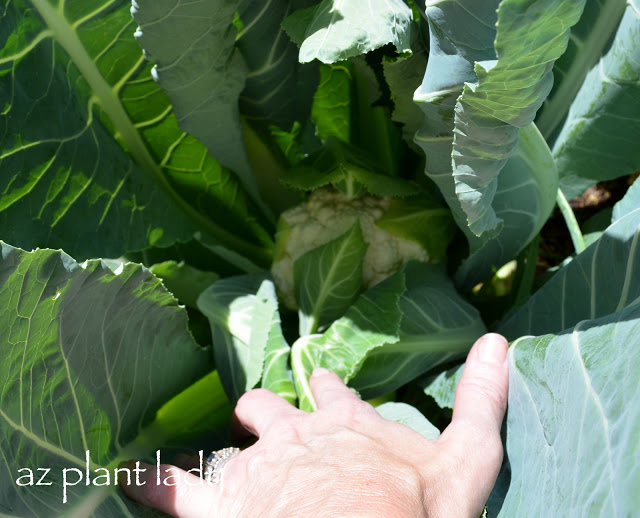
x,y
555,241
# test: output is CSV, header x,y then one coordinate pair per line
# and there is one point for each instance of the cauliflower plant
x,y
325,216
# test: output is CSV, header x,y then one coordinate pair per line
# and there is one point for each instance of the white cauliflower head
x,y
327,215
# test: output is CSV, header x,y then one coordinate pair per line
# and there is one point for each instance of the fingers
x,y
481,397
260,408
473,437
327,387
170,490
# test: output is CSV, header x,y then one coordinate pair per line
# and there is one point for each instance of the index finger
x,y
327,388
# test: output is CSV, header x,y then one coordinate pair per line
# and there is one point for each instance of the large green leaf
x,y
278,89
589,38
66,175
602,280
372,321
328,279
560,395
197,65
339,29
396,331
245,323
598,140
506,96
438,326
462,33
573,429
89,357
524,199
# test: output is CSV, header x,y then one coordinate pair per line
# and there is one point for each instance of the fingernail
x,y
491,349
320,371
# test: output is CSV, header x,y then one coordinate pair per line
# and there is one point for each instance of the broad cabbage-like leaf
x,y
372,321
66,175
438,326
588,41
278,89
572,425
336,30
602,280
196,62
396,331
598,140
89,357
506,96
524,199
245,323
461,34
592,306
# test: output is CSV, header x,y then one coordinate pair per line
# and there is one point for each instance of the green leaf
x,y
421,220
339,29
197,65
588,41
328,279
184,281
277,375
297,23
243,312
331,110
89,357
372,321
404,75
598,140
602,280
629,203
408,416
277,88
572,425
442,387
524,199
347,168
508,92
437,326
92,157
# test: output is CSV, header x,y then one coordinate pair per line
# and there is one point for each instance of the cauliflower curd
x,y
325,216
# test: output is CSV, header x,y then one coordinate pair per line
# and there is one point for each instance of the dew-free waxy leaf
x,y
89,356
599,138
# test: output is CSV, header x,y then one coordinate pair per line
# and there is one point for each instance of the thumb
x,y
480,405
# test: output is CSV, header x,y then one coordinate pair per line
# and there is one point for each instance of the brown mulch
x,y
555,241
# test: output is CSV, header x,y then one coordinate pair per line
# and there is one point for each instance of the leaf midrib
x,y
66,36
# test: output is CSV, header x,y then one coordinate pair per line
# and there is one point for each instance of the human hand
x,y
346,460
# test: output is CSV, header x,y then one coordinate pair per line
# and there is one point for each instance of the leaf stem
x,y
572,223
527,266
